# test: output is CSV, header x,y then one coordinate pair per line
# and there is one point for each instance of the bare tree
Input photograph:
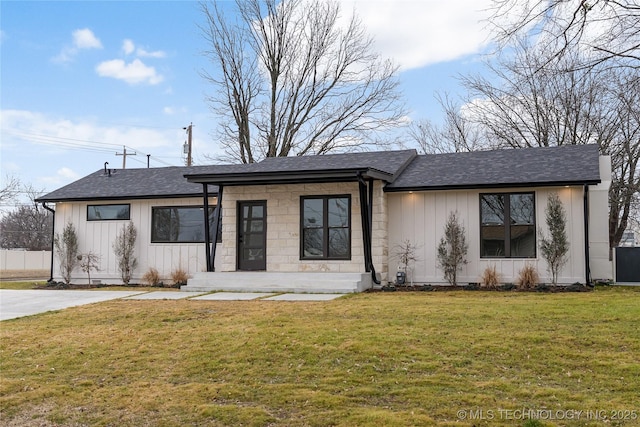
x,y
456,134
604,31
524,104
29,226
66,245
290,80
9,189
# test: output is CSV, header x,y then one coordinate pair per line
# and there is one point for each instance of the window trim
x,y
212,209
507,225
326,228
128,218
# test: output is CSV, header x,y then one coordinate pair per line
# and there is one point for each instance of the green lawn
x,y
375,359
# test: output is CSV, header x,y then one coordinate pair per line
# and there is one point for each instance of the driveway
x,y
19,303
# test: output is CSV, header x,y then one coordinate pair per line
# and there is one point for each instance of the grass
x,y
392,359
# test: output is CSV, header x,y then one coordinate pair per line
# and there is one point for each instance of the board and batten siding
x,y
420,217
98,237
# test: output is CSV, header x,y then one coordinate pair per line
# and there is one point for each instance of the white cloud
x,y
416,33
133,73
128,47
82,39
85,39
63,175
168,111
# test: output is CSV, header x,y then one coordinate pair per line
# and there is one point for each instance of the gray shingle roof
x,y
129,184
403,169
569,164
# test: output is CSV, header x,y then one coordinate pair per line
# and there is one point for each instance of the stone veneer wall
x,y
283,227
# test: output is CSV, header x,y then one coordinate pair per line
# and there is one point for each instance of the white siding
x,y
420,218
98,237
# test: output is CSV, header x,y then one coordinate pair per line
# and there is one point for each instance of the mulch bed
x,y
509,287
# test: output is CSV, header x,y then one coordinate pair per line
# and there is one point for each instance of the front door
x,y
252,235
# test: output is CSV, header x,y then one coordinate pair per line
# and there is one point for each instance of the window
x,y
507,225
108,212
181,224
326,227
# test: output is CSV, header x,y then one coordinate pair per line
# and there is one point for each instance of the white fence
x,y
25,260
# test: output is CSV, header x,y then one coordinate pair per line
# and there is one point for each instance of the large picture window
x,y
507,225
326,227
180,224
108,212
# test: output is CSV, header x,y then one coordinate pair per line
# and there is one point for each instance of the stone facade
x,y
283,227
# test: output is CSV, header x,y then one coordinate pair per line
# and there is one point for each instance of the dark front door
x,y
252,235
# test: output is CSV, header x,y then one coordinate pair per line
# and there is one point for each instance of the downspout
x,y
587,272
216,224
365,213
207,229
53,237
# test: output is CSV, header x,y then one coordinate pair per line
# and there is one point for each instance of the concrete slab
x,y
232,296
160,295
20,303
304,297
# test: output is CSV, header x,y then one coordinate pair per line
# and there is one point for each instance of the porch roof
x,y
526,167
383,165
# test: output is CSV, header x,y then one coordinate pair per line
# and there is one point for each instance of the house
x,y
331,223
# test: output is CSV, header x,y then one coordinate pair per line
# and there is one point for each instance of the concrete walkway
x,y
20,303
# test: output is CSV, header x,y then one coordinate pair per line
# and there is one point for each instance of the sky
x,y
81,81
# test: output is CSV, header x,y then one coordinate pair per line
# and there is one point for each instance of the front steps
x,y
263,281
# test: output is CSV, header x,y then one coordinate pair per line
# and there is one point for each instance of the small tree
x,y
89,261
452,250
405,253
124,247
554,248
66,246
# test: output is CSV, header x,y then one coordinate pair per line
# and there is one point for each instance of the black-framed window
x,y
108,212
181,224
325,223
507,225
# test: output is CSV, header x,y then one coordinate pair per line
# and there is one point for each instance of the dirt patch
x,y
24,274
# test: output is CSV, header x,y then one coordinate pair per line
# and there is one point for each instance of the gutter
x,y
587,272
53,238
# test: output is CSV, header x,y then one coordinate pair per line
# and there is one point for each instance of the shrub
x,y
554,249
151,277
123,247
452,250
89,261
179,277
490,278
528,277
67,251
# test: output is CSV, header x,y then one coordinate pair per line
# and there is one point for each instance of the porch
x,y
262,281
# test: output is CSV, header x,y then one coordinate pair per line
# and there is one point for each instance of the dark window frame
x,y
507,226
325,227
128,218
212,208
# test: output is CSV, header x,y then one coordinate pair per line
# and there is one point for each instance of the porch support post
x,y
365,215
587,272
207,229
216,229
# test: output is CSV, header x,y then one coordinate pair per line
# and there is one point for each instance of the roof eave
x,y
121,197
288,177
388,189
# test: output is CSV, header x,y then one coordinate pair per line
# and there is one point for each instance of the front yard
x,y
375,359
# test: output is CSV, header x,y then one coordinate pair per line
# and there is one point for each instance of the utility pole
x,y
188,146
124,155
